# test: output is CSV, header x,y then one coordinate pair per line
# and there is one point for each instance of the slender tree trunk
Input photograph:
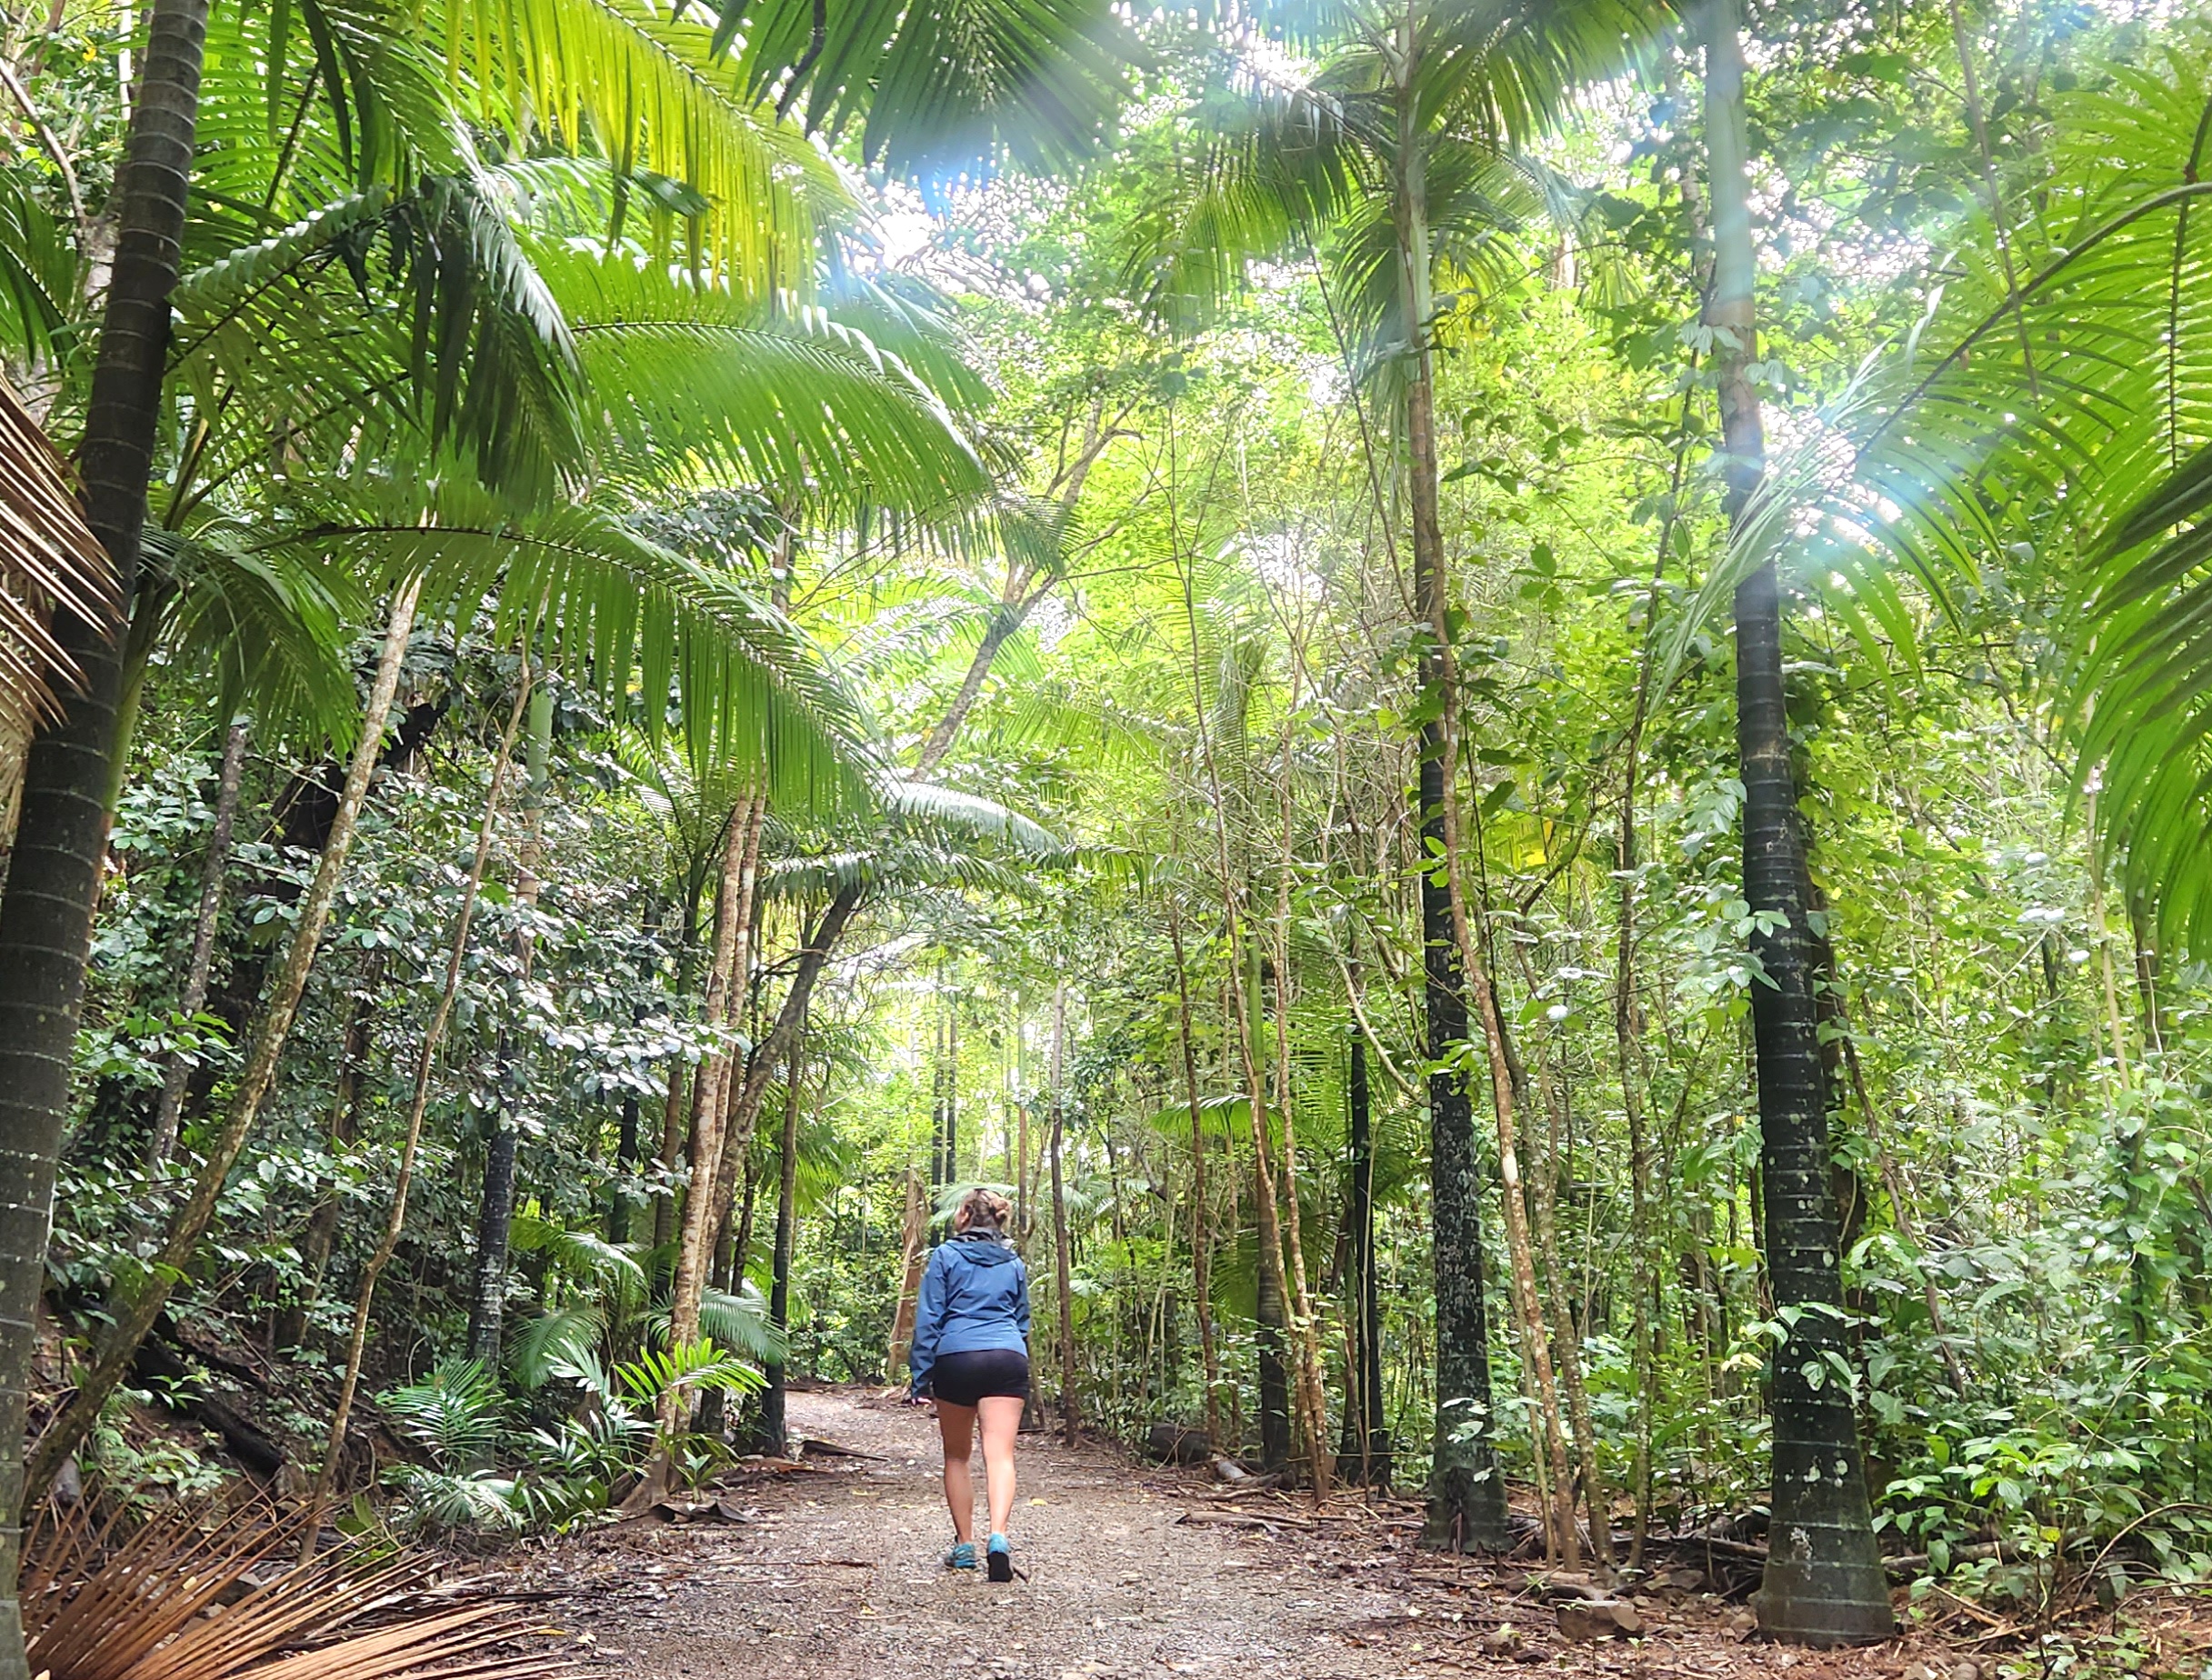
x,y
771,1050
939,1173
1313,1398
1823,1583
1071,1402
137,1307
1017,599
1627,1020
730,1268
1520,1252
1467,1495
1566,1331
425,1059
1642,1271
1201,1239
1005,619
626,1145
673,1110
322,1233
704,1207
913,1253
1365,1436
177,1074
1275,1402
496,1206
786,1218
61,836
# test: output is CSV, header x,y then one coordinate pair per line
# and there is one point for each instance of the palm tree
x,y
1395,164
1824,1584
45,915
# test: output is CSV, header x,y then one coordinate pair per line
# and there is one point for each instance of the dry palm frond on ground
x,y
195,1594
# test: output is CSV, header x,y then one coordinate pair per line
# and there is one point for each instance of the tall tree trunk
x,y
1627,1022
1566,1328
771,1052
1466,1494
322,1233
737,1252
1824,1584
1312,1399
177,1074
913,1253
952,1090
626,1145
939,1172
61,836
138,1306
703,1208
1274,1398
1201,1238
1365,1439
673,1110
771,1438
496,1208
1071,1402
425,1059
1520,1252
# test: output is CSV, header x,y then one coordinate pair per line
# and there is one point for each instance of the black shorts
x,y
961,1379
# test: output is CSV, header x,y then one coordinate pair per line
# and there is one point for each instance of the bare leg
x,y
957,1424
1002,1419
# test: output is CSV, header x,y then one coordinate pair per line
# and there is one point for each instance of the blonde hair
x,y
983,1208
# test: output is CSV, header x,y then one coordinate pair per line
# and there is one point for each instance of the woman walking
x,y
971,1354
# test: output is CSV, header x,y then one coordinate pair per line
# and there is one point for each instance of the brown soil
x,y
833,1571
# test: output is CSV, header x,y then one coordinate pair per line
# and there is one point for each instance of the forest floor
x,y
831,1569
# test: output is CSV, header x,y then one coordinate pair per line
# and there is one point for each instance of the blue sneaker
x,y
1001,1559
962,1556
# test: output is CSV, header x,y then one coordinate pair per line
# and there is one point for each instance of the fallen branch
x,y
830,1449
1238,1519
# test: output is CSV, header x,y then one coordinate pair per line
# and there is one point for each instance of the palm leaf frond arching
x,y
49,559
933,88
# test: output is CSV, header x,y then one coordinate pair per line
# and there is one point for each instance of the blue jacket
x,y
975,1296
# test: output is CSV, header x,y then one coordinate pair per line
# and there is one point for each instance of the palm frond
x,y
634,83
698,1365
625,614
691,376
741,1322
270,624
1279,162
40,276
459,340
49,559
177,1594
1510,71
454,1413
934,811
557,1343
584,1255
935,89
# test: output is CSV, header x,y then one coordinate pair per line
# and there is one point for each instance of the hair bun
x,y
983,1208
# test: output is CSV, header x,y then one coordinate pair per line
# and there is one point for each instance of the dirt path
x,y
833,1572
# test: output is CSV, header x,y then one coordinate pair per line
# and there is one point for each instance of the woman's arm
x,y
928,1320
1021,1308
